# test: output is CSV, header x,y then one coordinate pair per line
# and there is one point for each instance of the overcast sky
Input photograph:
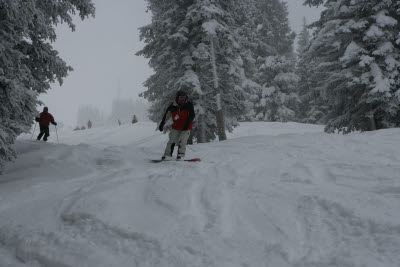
x,y
102,53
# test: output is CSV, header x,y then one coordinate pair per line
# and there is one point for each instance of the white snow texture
x,y
274,194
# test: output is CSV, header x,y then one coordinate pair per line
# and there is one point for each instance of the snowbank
x,y
274,195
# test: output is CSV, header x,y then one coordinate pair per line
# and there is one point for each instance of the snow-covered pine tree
x,y
269,64
162,52
303,71
314,105
180,43
168,50
28,62
356,53
304,38
250,40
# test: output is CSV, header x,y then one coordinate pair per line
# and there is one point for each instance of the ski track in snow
x,y
273,195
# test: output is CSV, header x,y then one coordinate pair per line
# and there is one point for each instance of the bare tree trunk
x,y
201,137
372,123
190,139
202,130
217,93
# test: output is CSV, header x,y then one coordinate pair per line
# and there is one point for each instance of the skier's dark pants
x,y
44,130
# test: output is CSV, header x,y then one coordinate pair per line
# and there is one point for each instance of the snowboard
x,y
187,160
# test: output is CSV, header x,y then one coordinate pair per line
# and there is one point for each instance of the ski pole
x,y
56,134
33,131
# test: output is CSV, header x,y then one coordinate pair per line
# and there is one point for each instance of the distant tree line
x,y
121,109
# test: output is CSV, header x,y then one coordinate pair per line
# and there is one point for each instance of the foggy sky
x,y
102,53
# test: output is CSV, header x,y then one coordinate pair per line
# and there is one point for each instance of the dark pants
x,y
44,130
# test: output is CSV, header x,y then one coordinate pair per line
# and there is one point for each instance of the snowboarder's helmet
x,y
181,96
46,109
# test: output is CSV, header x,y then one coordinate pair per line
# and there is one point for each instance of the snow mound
x,y
274,194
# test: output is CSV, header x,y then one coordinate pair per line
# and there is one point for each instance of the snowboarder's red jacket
x,y
45,118
182,116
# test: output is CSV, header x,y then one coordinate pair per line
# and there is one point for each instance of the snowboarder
x,y
182,114
119,122
89,124
134,119
44,120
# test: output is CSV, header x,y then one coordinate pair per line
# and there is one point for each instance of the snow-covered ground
x,y
276,195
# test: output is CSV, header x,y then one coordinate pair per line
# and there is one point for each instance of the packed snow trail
x,y
273,195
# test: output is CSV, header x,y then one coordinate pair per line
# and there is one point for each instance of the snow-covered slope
x,y
272,195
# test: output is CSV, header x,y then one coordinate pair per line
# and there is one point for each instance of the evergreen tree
x,y
303,71
312,109
249,38
269,61
304,38
192,45
28,62
356,62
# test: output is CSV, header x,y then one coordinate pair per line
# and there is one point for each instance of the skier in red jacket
x,y
44,119
182,114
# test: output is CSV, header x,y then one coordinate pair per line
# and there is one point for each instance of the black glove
x,y
161,127
55,123
37,119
